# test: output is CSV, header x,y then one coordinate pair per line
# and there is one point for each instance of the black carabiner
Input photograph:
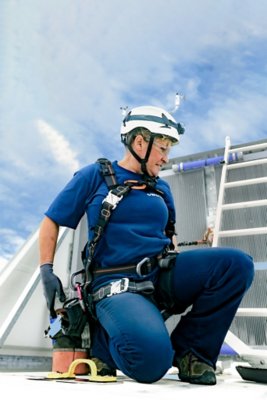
x,y
73,282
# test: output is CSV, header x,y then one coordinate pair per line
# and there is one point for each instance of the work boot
x,y
103,369
194,370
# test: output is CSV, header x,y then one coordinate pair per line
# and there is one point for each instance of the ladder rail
x,y
221,207
252,356
221,193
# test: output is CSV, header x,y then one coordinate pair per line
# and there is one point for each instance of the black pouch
x,y
66,331
168,261
164,287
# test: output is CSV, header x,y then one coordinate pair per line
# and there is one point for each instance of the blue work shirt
x,y
136,228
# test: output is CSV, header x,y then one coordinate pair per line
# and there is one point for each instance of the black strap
x,y
121,286
107,172
115,195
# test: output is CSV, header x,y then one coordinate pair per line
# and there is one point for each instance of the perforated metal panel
x,y
190,190
190,199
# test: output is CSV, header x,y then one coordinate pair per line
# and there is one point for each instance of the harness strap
x,y
121,286
115,195
107,172
98,271
143,268
109,203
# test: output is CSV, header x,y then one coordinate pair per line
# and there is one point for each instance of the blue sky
x,y
68,66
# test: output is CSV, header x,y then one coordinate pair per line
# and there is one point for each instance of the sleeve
x,y
69,206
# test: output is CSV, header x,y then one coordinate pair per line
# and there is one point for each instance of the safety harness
x,y
66,330
91,269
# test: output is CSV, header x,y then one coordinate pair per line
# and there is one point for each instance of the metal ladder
x,y
255,357
221,206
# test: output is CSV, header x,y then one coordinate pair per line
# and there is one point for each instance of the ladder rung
x,y
259,146
244,204
244,164
243,232
251,312
246,182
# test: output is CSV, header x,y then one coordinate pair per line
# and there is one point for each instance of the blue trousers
x,y
131,334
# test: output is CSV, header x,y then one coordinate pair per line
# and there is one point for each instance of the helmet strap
x,y
144,160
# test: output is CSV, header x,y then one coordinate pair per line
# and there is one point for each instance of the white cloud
x,y
74,63
59,146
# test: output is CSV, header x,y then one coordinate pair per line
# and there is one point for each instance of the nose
x,y
165,158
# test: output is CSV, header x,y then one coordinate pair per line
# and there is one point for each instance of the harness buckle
x,y
112,199
139,266
118,287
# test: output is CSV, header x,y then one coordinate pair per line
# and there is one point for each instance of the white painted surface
x,y
230,386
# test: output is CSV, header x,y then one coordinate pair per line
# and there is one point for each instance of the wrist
x,y
47,267
46,263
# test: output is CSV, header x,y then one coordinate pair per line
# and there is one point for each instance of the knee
x,y
145,362
243,266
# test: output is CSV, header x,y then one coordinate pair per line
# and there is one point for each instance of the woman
x,y
134,280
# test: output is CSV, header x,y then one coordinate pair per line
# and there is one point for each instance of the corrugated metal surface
x,y
190,199
246,217
191,193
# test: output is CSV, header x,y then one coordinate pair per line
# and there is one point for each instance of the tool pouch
x,y
66,330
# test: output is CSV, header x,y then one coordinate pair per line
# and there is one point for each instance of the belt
x,y
143,268
121,286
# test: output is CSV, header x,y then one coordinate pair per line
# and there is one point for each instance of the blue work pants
x,y
131,334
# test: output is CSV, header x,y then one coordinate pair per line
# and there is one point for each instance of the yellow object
x,y
92,377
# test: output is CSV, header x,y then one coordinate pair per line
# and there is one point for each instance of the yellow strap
x,y
92,377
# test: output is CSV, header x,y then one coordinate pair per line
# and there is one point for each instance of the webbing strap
x,y
115,195
121,286
109,203
107,172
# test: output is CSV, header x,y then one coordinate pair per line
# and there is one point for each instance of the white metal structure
x,y
23,312
23,316
256,358
224,185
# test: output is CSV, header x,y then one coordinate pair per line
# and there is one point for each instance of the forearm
x,y
48,236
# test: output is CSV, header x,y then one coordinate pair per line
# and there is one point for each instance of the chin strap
x,y
144,160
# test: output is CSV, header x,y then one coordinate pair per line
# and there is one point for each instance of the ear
x,y
139,142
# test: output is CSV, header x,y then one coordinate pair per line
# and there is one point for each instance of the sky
x,y
68,67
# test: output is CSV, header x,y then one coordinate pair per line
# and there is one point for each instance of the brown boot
x,y
102,368
194,370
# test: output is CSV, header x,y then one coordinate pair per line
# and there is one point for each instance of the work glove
x,y
52,286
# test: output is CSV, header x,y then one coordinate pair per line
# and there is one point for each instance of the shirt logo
x,y
153,194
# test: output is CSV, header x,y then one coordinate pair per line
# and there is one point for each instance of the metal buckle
x,y
118,287
112,199
140,264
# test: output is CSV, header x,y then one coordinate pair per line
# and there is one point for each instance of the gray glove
x,y
52,286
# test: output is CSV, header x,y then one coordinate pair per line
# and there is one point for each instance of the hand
x,y
52,286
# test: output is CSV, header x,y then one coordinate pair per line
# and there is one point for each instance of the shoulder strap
x,y
115,195
107,172
110,202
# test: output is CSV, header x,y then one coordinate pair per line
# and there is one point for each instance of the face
x,y
158,156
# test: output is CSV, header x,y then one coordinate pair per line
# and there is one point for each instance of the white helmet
x,y
155,119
